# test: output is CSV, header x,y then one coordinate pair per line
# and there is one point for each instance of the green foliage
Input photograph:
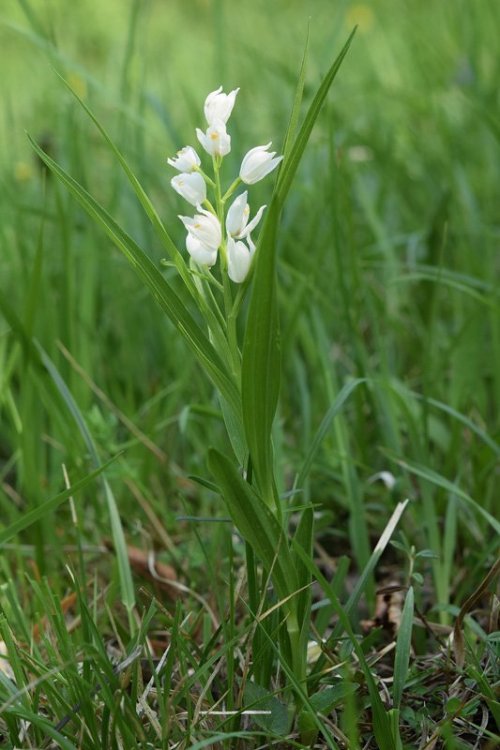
x,y
370,376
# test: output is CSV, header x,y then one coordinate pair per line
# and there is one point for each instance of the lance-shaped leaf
x,y
260,379
256,523
294,155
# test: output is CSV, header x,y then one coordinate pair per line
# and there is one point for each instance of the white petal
x,y
258,163
186,160
209,105
238,260
252,224
218,106
205,256
203,140
204,227
237,215
191,186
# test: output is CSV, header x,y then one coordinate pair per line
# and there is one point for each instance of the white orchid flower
x,y
199,252
237,217
191,186
258,163
239,258
218,106
205,228
216,141
186,160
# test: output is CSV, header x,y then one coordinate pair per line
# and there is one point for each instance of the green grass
x,y
389,316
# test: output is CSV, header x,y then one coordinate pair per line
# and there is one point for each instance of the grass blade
x,y
381,723
403,646
28,519
445,484
144,200
332,412
62,396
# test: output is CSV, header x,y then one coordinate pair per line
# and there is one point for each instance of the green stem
x,y
228,296
298,655
206,177
231,189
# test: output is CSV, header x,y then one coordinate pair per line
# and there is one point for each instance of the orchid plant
x,y
245,374
221,232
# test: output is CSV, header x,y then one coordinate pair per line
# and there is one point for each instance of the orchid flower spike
x,y
191,186
216,141
258,163
186,160
218,106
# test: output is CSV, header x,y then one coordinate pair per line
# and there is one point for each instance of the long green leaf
x,y
299,91
292,162
445,484
260,379
469,423
256,523
261,361
330,415
158,286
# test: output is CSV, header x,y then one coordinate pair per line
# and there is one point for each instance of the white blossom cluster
x,y
205,235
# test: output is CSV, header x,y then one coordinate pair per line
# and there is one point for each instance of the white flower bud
x,y
218,106
186,160
191,187
258,163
